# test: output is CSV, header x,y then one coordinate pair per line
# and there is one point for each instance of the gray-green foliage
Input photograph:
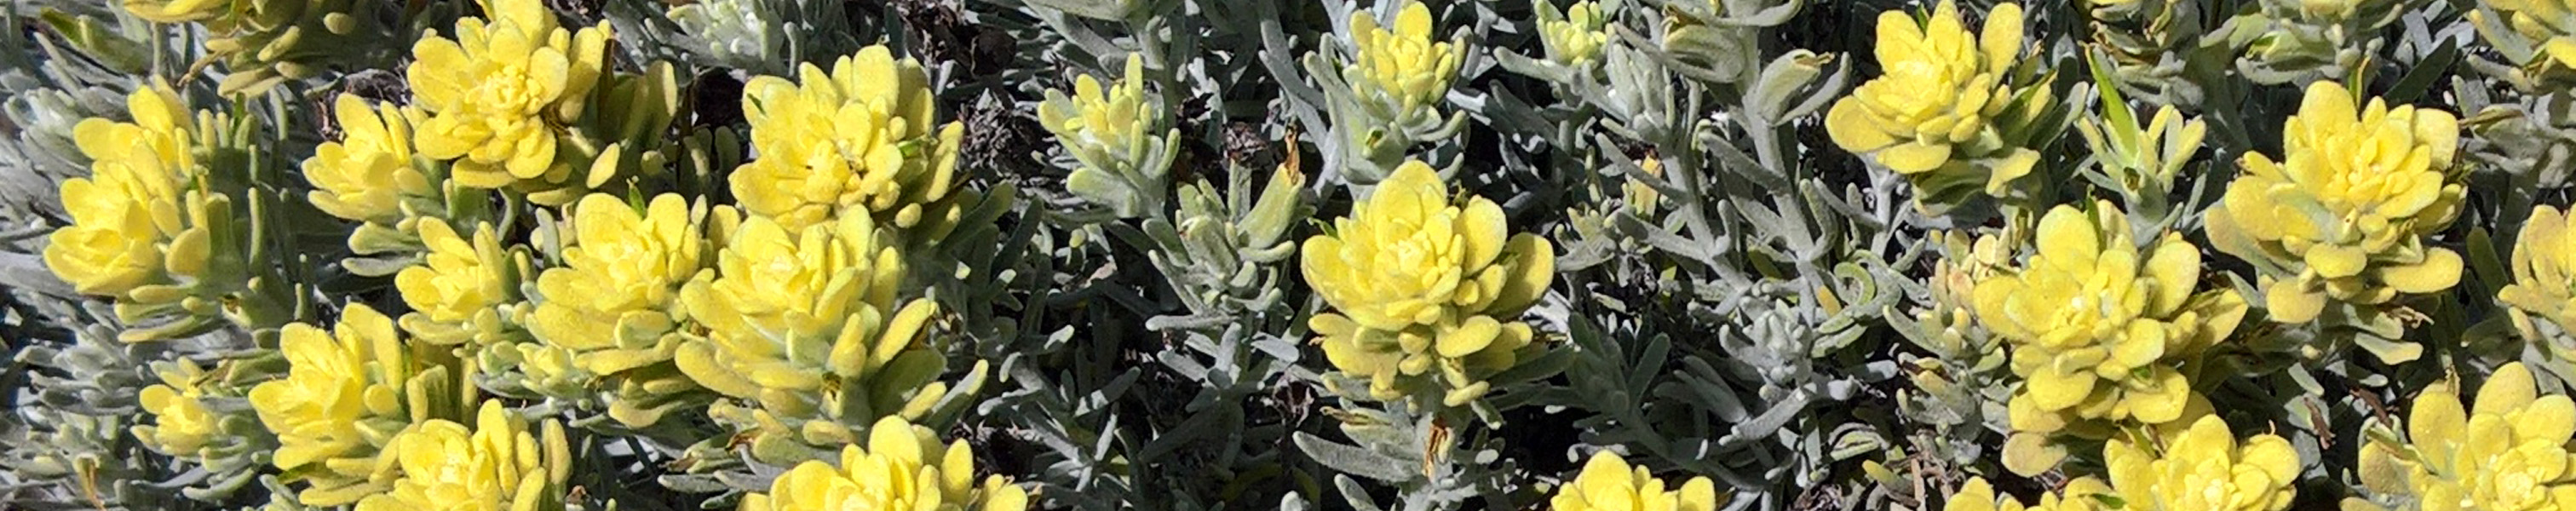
x,y
1735,296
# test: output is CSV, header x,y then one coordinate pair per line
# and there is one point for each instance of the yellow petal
x,y
2337,261
2437,422
2068,239
2001,41
1915,157
1414,22
2174,268
2271,454
1481,227
1471,337
2163,400
2057,389
2509,389
2290,303
2439,270
2327,104
2140,345
1533,269
1851,127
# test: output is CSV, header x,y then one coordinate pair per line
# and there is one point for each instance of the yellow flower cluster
x,y
1607,483
1576,36
178,11
460,291
344,395
1942,114
612,307
1113,121
1116,135
2544,272
153,227
807,324
2540,35
498,95
2204,468
262,43
367,175
127,215
1405,66
497,465
2508,452
1428,291
861,138
2081,494
2343,218
895,471
182,425
2103,328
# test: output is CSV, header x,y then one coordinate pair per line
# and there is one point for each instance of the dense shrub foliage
x,y
1000,255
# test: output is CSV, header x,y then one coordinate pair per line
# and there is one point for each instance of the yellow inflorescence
x,y
1575,37
1406,63
340,400
1607,483
457,291
861,138
1938,103
367,175
615,293
497,465
797,320
178,11
1112,121
2204,468
127,214
2544,271
2343,218
499,92
896,471
2101,326
612,308
1426,287
182,424
2508,452
2080,494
